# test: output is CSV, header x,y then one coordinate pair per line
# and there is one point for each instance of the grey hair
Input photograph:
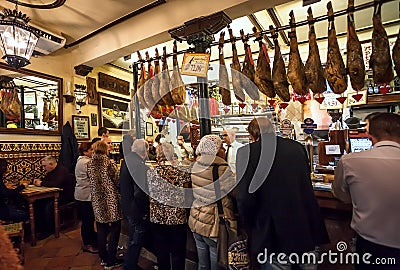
x,y
49,158
140,147
231,133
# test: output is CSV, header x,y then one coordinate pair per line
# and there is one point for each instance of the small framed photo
x,y
30,98
149,129
93,119
81,127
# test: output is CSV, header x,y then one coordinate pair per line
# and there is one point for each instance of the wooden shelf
x,y
378,99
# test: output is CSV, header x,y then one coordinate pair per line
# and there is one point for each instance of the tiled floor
x,y
65,253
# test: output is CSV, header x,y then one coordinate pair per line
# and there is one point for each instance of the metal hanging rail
x,y
282,28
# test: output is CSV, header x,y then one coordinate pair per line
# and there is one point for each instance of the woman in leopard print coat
x,y
104,189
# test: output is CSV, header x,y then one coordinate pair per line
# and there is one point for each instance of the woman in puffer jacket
x,y
204,219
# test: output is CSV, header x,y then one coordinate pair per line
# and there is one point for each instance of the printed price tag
x,y
195,64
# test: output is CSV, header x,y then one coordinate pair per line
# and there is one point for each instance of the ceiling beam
x,y
272,14
259,28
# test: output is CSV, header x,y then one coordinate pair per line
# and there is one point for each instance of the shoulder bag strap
x,y
218,192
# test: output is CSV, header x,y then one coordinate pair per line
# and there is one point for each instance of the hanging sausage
x,y
45,111
248,70
296,73
223,73
335,71
279,76
235,70
262,76
313,68
178,90
355,61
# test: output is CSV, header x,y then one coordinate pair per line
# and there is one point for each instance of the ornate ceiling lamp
x,y
17,38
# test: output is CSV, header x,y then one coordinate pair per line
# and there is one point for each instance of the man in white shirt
x,y
231,146
183,150
370,180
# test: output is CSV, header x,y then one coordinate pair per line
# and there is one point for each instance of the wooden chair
x,y
16,230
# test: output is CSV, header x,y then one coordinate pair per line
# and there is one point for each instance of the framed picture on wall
x,y
30,98
114,113
81,127
149,129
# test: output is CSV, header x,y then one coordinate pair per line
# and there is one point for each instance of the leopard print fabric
x,y
104,189
160,180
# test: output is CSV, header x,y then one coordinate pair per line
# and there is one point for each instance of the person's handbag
x,y
232,250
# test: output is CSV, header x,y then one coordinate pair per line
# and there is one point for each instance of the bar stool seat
x,y
16,230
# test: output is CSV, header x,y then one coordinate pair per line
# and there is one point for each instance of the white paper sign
x,y
332,149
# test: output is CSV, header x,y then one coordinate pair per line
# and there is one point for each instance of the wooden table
x,y
31,194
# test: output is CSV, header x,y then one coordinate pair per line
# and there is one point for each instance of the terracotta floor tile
x,y
35,263
85,259
50,252
60,262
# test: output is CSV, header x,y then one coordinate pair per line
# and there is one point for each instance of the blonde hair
x,y
100,147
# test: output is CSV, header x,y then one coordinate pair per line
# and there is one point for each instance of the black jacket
x,y
134,201
282,215
61,178
69,148
6,193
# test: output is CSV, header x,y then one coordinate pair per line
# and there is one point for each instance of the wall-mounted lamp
x,y
18,39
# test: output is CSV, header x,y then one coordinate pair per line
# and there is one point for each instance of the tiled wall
x,y
24,158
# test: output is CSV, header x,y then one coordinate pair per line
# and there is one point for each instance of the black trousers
x,y
170,245
88,234
137,236
108,250
380,255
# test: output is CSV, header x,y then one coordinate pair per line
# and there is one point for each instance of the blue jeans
x,y
137,236
207,252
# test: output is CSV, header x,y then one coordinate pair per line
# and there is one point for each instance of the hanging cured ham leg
x,y
380,61
155,87
335,71
313,68
178,90
355,61
141,82
263,77
235,70
165,87
248,70
223,74
279,76
148,92
296,73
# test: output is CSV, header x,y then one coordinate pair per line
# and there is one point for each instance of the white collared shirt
x,y
231,158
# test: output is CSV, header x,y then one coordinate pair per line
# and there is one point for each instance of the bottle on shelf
x,y
376,89
370,88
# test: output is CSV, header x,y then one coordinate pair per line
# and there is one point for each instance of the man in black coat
x,y
275,197
134,200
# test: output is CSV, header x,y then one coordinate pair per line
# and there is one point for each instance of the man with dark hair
x,y
370,180
276,202
102,133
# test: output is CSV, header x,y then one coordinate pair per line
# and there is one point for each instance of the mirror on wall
x,y
30,102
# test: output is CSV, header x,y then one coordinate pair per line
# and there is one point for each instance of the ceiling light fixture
x,y
17,38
